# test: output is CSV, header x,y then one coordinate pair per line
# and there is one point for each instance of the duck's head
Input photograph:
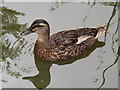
x,y
39,26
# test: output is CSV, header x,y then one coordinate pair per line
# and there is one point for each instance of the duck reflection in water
x,y
42,80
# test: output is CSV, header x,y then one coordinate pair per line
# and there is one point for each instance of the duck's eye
x,y
37,26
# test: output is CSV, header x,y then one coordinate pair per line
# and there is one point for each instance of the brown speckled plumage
x,y
65,44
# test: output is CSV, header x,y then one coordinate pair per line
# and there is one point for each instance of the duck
x,y
63,45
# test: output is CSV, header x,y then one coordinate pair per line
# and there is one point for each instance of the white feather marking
x,y
100,33
82,38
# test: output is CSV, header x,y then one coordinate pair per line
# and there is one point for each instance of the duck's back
x,y
72,36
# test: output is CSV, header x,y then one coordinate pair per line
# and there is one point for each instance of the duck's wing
x,y
73,42
76,36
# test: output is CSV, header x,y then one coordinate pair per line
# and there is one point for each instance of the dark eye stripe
x,y
37,26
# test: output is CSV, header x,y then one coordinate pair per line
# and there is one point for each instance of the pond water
x,y
97,67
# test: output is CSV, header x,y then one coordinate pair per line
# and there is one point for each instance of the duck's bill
x,y
26,32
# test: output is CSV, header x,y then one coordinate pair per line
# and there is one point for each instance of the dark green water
x,y
97,67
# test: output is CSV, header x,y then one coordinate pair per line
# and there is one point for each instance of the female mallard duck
x,y
62,45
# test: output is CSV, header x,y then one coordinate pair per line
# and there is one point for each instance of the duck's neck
x,y
41,47
43,38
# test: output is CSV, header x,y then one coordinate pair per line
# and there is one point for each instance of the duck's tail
x,y
101,30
